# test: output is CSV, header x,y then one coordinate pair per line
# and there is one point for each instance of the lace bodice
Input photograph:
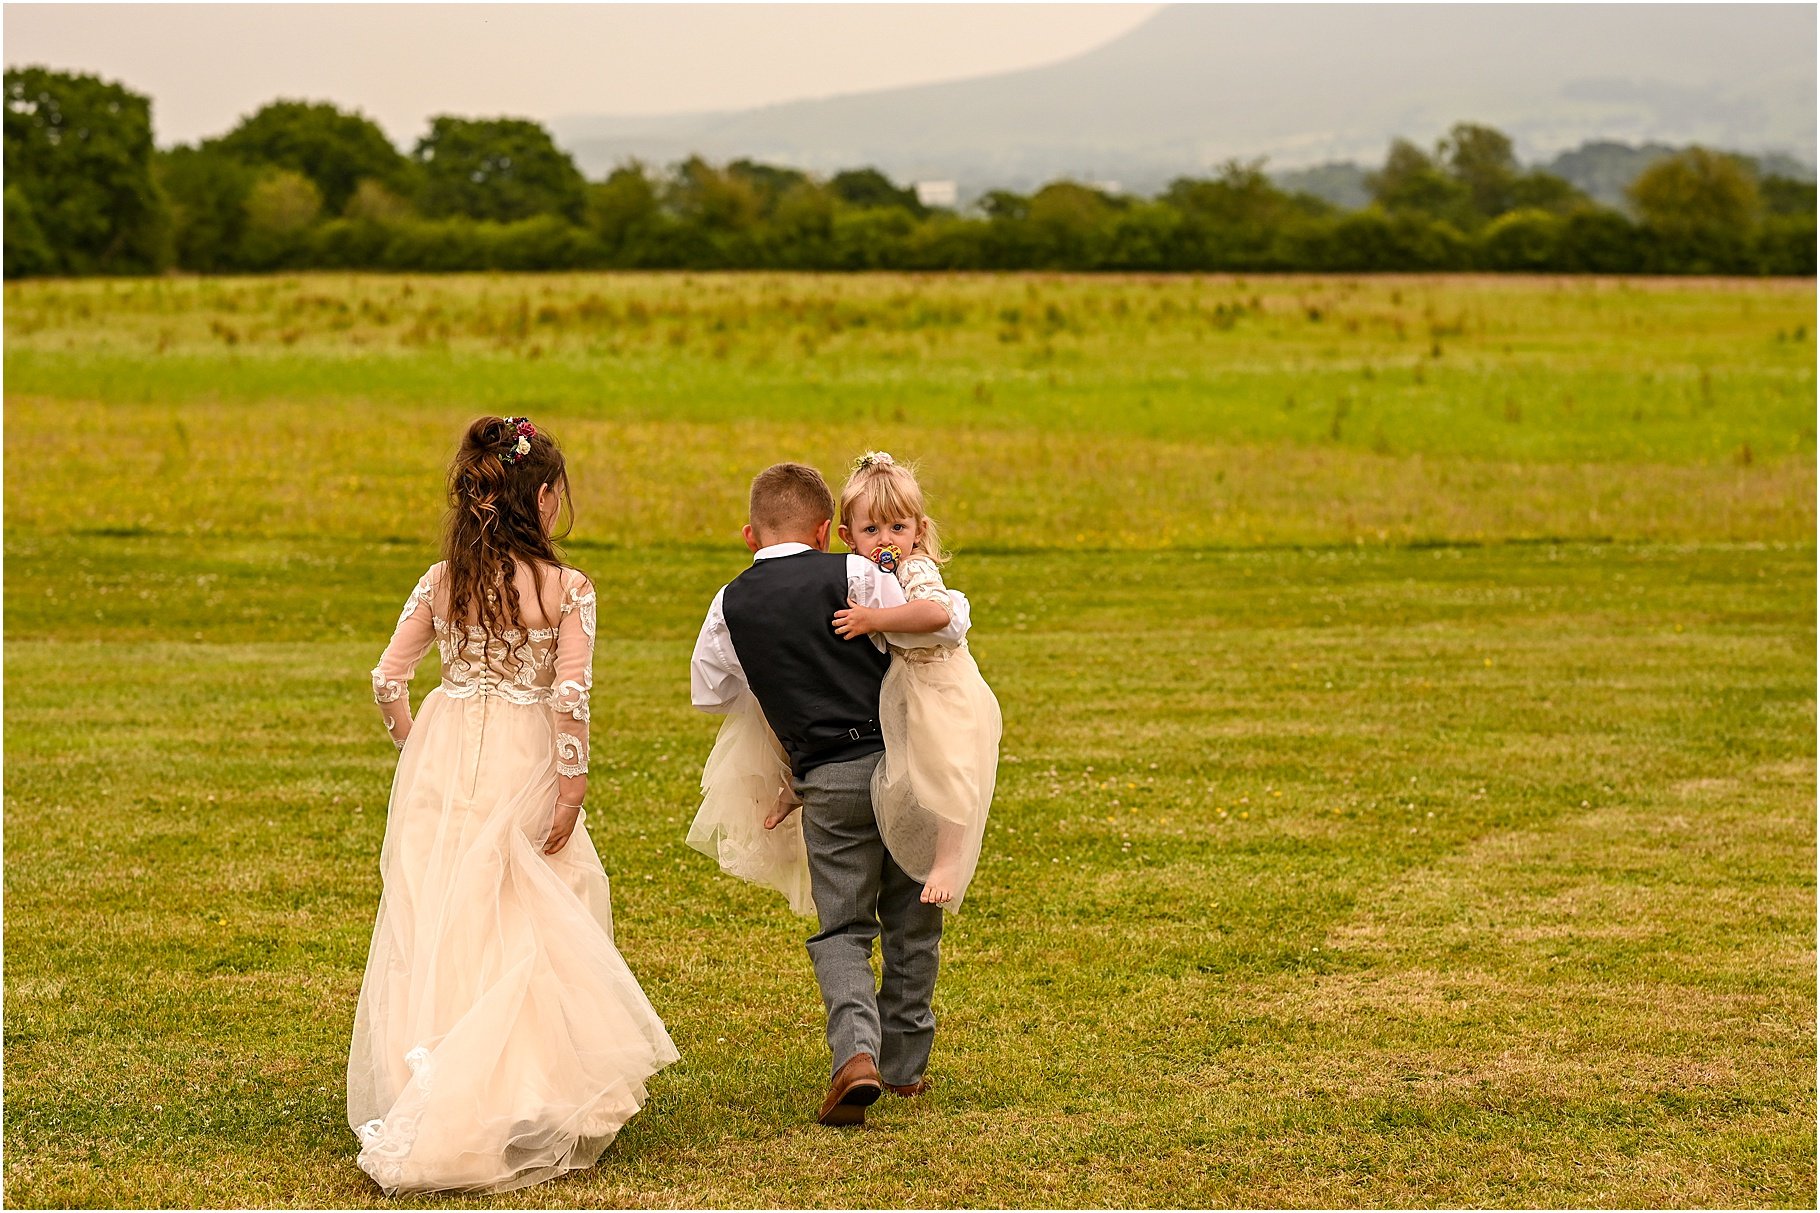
x,y
548,665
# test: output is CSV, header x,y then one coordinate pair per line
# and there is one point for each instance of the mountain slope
x,y
1300,83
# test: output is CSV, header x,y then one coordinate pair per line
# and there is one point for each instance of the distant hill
x,y
1605,169
1301,84
1339,182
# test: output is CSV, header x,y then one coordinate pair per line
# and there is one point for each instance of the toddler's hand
x,y
854,622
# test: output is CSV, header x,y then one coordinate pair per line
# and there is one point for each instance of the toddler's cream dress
x,y
941,726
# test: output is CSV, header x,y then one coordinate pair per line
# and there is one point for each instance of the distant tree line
x,y
299,185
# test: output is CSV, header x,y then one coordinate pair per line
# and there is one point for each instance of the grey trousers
x,y
861,895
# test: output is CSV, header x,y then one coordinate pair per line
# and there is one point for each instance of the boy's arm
x,y
716,678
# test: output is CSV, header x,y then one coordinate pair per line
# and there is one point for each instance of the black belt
x,y
854,733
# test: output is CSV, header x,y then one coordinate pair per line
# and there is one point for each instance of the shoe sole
x,y
851,1110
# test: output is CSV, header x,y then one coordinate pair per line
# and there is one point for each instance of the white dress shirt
x,y
716,679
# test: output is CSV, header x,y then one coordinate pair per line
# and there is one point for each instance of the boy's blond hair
x,y
888,490
788,497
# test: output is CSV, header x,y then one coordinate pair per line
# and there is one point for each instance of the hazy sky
x,y
205,65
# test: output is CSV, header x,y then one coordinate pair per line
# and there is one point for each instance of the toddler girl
x,y
939,719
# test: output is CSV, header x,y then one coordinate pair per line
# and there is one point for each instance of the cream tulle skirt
x,y
932,790
740,782
500,1039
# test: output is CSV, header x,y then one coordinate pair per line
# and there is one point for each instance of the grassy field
x,y
1409,778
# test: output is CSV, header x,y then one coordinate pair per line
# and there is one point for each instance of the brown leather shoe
x,y
909,1090
855,1088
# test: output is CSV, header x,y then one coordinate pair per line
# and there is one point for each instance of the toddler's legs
x,y
785,804
944,873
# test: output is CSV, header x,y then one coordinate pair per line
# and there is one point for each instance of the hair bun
x,y
487,434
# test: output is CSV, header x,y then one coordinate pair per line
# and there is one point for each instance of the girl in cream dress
x,y
500,1039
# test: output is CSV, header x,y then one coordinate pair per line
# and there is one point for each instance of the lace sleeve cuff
x,y
575,679
387,690
570,699
571,754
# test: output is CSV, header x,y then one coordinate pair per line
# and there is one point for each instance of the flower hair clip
x,y
526,431
871,459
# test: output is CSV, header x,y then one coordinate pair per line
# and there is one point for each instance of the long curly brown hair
x,y
493,524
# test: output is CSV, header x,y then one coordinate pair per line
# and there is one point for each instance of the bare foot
x,y
938,889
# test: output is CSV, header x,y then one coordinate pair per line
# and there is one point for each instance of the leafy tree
x,y
434,246
867,187
768,181
373,202
805,214
541,243
352,244
1412,183
1069,221
501,169
1373,240
624,213
1700,208
1525,240
1484,162
207,190
866,238
27,251
334,149
1696,192
1145,237
1786,196
1241,196
79,151
1234,220
1785,245
715,200
279,211
1599,240
1540,191
1003,205
945,241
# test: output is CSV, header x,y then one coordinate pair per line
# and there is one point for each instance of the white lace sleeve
x,y
411,639
574,677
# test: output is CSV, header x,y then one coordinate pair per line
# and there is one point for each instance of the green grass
x,y
1421,826
1084,412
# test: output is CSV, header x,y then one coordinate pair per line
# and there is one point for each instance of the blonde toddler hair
x,y
887,489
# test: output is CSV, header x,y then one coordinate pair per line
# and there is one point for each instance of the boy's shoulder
x,y
770,565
